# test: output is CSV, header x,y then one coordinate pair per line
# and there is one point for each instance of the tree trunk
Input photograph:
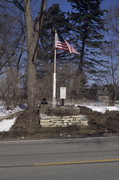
x,y
31,70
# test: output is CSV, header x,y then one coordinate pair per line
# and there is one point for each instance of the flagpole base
x,y
54,102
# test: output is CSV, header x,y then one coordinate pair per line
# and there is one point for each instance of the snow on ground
x,y
4,112
103,109
6,124
99,107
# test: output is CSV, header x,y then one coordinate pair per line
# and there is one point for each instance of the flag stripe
x,y
60,43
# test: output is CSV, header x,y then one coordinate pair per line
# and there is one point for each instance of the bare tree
x,y
111,52
33,34
32,29
11,49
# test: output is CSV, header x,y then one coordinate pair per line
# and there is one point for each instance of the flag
x,y
61,43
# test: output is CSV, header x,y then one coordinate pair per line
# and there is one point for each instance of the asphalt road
x,y
60,159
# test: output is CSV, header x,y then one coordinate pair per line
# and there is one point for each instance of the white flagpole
x,y
54,74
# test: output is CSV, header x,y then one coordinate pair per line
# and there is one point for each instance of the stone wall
x,y
63,121
61,116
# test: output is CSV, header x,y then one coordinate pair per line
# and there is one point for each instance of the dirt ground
x,y
27,126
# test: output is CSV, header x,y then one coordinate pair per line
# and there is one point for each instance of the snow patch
x,y
98,109
104,108
6,124
4,112
101,109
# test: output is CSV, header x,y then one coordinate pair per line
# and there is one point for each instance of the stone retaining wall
x,y
63,121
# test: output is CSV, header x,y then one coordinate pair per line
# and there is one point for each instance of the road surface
x,y
60,159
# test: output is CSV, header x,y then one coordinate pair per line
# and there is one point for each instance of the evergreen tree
x,y
54,19
88,26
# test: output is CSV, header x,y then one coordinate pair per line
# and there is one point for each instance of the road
x,y
60,159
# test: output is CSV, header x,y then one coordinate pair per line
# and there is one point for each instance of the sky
x,y
106,4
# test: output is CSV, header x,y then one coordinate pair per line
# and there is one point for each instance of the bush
x,y
109,120
85,110
64,111
112,120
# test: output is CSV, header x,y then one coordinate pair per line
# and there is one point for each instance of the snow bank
x,y
101,109
4,112
104,108
6,124
98,109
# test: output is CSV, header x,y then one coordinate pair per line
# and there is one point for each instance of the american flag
x,y
61,43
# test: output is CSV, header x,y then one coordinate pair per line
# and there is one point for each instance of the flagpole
x,y
54,75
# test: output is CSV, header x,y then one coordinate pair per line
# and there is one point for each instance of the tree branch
x,y
39,24
18,4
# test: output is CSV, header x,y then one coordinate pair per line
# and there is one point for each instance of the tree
x,y
33,34
111,53
88,25
11,49
54,19
33,31
93,92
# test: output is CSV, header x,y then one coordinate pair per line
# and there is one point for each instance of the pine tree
x,y
54,19
88,26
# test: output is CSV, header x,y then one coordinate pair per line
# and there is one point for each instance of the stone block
x,y
63,121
